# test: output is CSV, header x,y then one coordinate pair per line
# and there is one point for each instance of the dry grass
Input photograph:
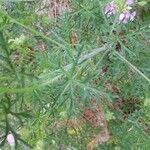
x,y
54,8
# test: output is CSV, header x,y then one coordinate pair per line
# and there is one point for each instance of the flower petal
x,y
11,139
121,17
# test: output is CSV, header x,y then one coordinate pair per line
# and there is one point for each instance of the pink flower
x,y
127,16
124,17
10,139
130,2
110,9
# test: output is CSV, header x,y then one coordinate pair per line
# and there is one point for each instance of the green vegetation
x,y
73,78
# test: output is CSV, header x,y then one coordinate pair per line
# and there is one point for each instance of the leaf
x,y
23,114
142,3
109,115
147,102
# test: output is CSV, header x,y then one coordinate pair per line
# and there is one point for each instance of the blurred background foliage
x,y
49,75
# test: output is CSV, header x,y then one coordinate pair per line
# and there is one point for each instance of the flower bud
x,y
110,9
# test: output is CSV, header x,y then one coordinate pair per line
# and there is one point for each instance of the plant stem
x,y
133,67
